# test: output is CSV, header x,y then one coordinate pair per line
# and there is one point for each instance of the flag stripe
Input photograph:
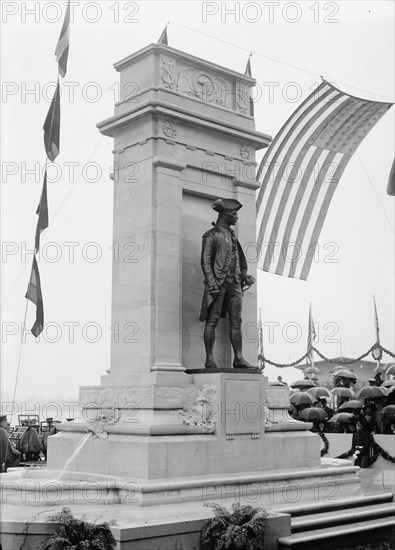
x,y
273,151
306,217
300,173
293,153
302,193
320,221
292,140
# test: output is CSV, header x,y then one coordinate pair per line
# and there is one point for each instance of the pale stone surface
x,y
183,140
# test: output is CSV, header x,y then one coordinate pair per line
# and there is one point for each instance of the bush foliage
x,y
242,529
76,534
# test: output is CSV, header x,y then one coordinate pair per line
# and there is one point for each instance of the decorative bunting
x,y
35,296
42,212
52,127
62,47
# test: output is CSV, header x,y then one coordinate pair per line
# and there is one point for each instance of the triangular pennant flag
x,y
42,212
62,47
163,37
391,181
52,127
35,296
248,72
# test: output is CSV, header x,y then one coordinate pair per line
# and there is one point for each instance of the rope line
x,y
277,60
335,362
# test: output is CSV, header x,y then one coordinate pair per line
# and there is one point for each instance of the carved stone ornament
x,y
243,98
169,130
245,152
167,71
205,86
201,410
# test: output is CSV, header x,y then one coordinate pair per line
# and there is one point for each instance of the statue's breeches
x,y
226,304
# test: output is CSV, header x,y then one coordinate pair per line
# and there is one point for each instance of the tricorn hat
x,y
226,204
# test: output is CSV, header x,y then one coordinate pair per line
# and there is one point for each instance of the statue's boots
x,y
243,364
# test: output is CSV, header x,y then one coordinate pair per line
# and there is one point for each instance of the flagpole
x,y
376,323
19,362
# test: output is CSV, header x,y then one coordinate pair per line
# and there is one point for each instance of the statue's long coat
x,y
216,258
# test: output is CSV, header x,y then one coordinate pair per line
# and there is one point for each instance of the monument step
x,y
309,540
316,507
338,517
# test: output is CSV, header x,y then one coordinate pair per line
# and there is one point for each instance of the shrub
x,y
242,529
76,534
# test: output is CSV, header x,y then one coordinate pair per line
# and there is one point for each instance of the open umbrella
x,y
340,367
369,392
388,384
312,370
303,384
343,417
390,368
342,392
301,398
388,410
312,414
353,404
319,392
345,373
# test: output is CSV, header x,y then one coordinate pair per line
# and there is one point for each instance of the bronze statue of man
x,y
225,276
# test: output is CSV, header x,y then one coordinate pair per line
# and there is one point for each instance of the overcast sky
x,y
293,43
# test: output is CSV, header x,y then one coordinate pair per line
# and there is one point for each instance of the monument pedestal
x,y
172,435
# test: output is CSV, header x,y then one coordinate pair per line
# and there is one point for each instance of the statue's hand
x,y
213,290
249,280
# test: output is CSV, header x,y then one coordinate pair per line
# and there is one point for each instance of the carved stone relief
x,y
205,86
167,71
245,152
243,98
169,129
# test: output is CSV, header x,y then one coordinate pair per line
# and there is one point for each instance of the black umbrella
x,y
345,373
352,404
343,417
342,392
369,392
388,410
312,414
301,398
303,384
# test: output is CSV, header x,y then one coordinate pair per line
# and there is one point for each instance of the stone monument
x,y
182,140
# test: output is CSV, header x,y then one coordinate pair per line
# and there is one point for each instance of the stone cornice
x,y
114,124
162,48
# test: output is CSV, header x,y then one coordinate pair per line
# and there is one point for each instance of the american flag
x,y
310,338
300,172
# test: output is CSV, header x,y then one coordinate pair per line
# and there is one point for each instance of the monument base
x,y
212,423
